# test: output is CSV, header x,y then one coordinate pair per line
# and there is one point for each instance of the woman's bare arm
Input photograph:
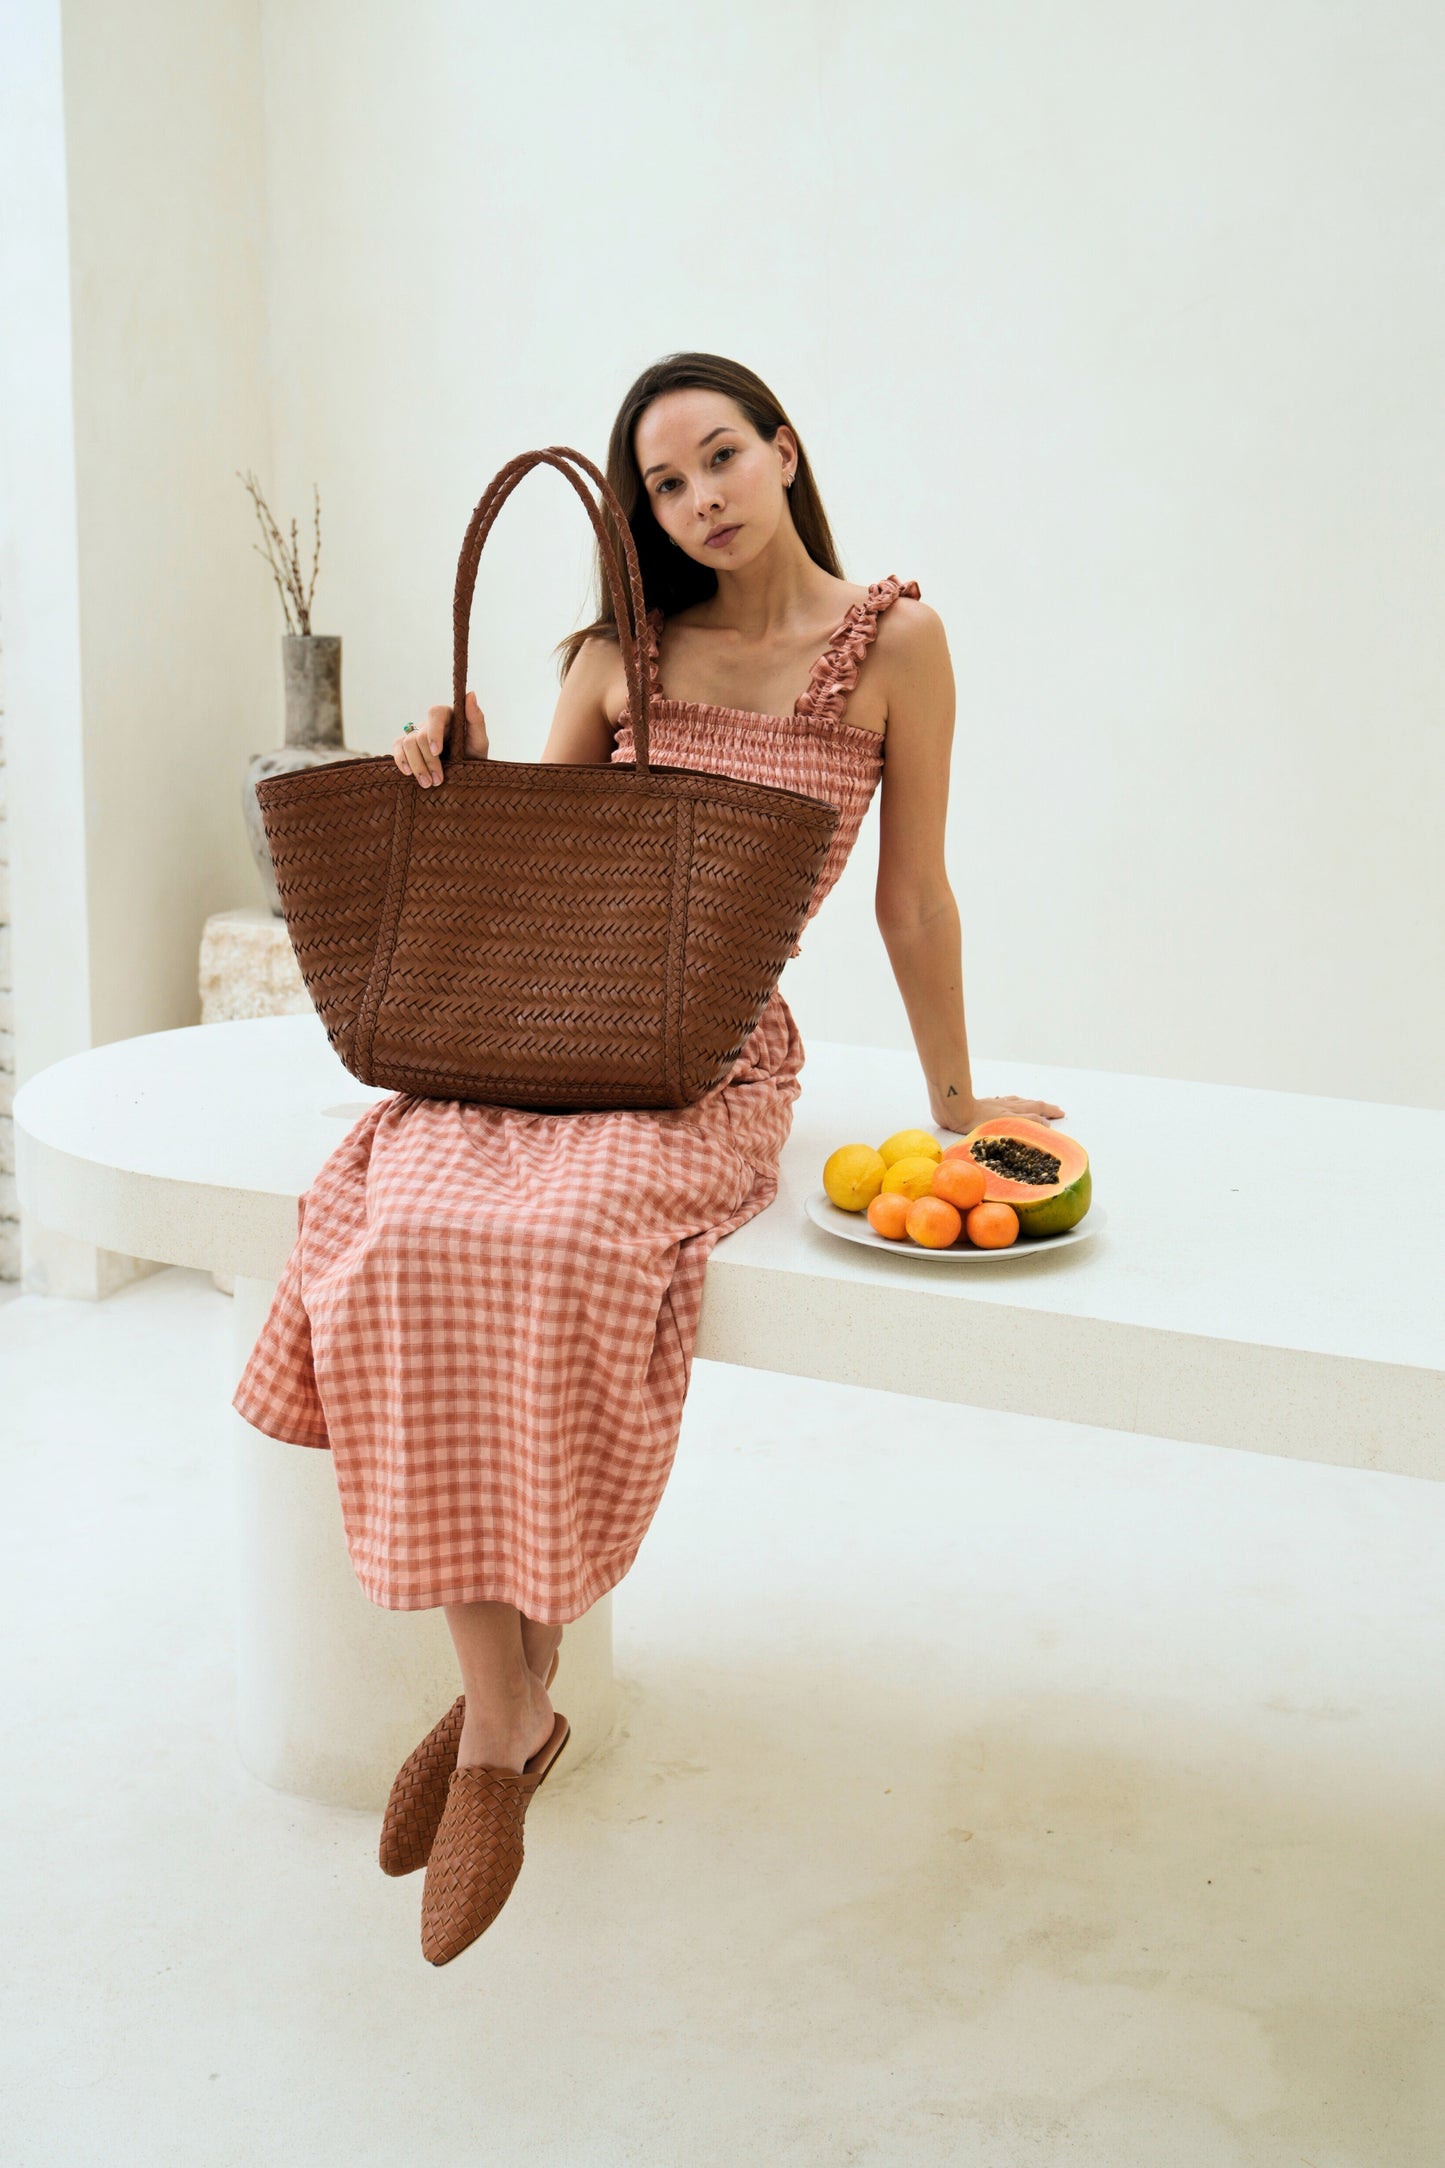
x,y
914,904
581,731
580,735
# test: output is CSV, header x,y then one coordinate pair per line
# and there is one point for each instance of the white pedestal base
x,y
333,1691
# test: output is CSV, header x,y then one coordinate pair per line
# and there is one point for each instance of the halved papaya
x,y
1043,1174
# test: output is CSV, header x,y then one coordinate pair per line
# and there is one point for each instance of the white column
x,y
333,1691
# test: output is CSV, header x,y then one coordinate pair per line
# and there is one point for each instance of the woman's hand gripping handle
x,y
419,752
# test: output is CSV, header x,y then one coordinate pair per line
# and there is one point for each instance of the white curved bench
x,y
192,1147
1223,1299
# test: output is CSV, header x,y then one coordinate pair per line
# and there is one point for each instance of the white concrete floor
x,y
988,1792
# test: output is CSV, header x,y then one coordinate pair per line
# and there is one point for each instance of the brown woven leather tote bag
x,y
538,934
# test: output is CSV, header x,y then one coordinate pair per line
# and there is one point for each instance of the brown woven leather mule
x,y
419,1789
477,1855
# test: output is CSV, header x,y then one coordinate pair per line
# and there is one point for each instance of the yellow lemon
x,y
908,1144
913,1175
853,1176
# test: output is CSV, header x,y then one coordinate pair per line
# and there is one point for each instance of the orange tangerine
x,y
960,1179
913,1175
934,1222
993,1226
888,1213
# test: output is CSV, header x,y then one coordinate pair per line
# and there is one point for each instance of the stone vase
x,y
311,662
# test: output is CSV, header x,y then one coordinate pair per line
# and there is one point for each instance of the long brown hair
x,y
670,578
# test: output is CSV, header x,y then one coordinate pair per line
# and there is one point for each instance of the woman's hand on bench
x,y
418,752
1009,1108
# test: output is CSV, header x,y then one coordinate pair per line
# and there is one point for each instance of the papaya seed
x,y
1018,1161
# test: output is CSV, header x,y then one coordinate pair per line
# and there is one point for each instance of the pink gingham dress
x,y
489,1314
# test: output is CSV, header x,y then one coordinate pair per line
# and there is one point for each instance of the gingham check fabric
x,y
489,1313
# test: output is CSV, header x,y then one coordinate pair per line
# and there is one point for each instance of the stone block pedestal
x,y
248,967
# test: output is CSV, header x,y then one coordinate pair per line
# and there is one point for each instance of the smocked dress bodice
x,y
814,749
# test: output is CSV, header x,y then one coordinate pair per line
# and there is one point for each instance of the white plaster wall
x,y
180,628
9,1203
39,584
142,633
1117,327
48,961
141,637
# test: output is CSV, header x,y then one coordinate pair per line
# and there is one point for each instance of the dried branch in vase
x,y
285,564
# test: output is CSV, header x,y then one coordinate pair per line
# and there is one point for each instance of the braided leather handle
x,y
629,624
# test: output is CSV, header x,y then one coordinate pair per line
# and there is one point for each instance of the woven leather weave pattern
x,y
741,879
418,1795
529,923
331,849
475,1860
419,1788
486,972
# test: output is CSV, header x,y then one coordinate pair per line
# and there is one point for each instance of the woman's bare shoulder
x,y
911,630
913,660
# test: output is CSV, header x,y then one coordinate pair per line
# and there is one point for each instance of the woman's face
x,y
706,469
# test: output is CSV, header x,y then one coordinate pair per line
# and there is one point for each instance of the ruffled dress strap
x,y
835,673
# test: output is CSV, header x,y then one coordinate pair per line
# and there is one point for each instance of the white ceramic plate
x,y
854,1227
